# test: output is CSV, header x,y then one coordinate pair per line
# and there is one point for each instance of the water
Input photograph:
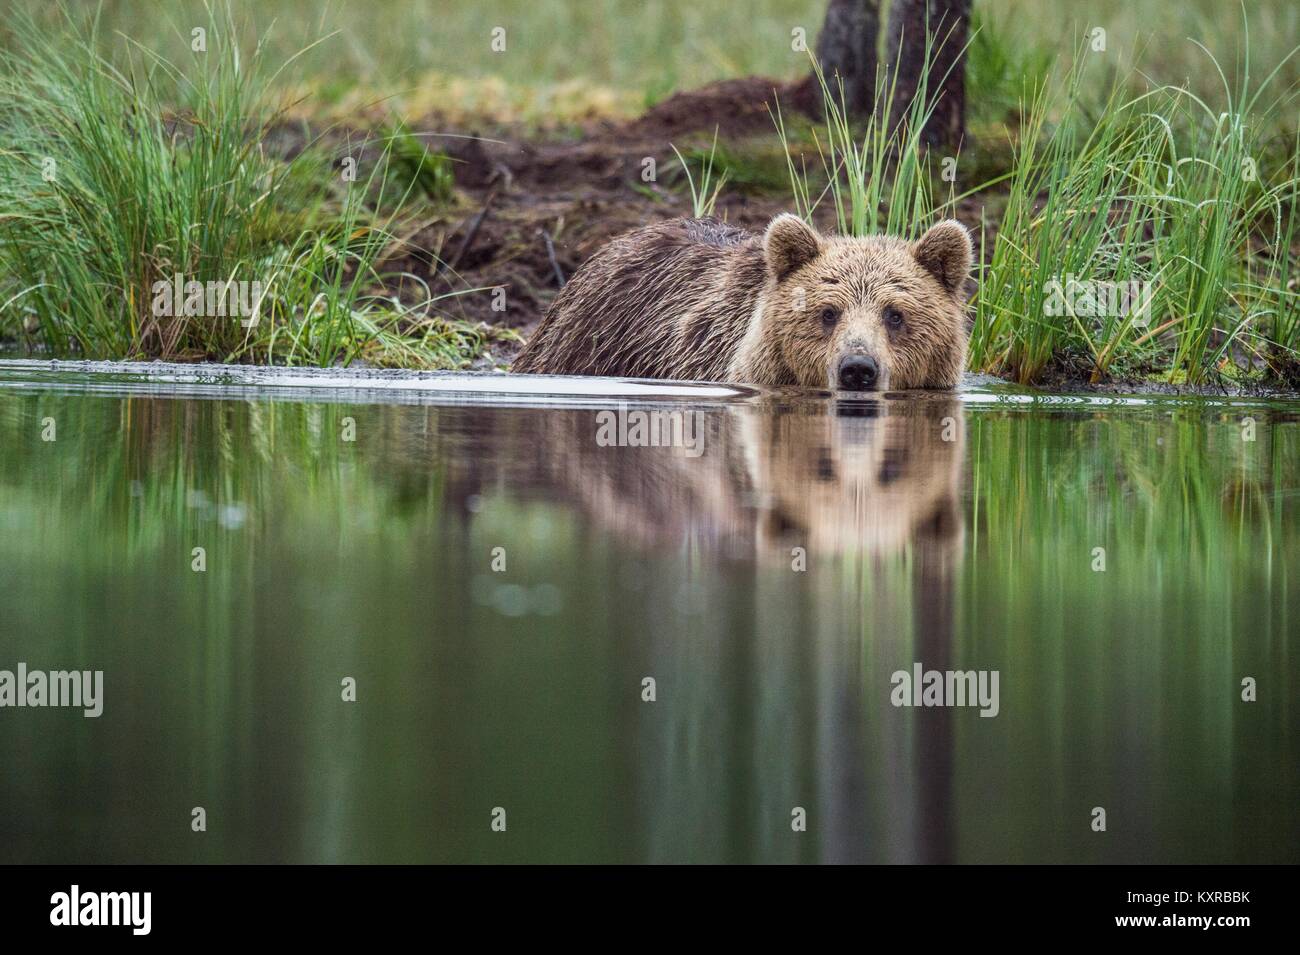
x,y
771,585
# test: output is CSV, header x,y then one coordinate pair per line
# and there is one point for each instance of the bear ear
x,y
945,252
789,243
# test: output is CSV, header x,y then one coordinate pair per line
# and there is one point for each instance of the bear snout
x,y
858,373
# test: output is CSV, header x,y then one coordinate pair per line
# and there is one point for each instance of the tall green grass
x,y
1065,216
118,174
1163,188
878,177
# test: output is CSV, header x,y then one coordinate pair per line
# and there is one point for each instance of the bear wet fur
x,y
697,299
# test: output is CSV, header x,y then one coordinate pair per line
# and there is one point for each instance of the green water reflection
x,y
961,535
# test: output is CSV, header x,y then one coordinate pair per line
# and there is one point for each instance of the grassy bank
x,y
1133,194
136,196
1187,203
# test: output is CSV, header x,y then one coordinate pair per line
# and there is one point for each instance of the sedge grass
x,y
1163,189
120,174
879,177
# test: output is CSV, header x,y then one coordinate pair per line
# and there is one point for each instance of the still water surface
x,y
770,578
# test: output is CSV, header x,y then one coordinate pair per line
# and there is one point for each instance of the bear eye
x,y
894,319
830,316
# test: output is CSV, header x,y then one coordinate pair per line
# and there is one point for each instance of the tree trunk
x,y
846,51
948,22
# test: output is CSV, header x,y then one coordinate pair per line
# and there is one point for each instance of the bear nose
x,y
858,372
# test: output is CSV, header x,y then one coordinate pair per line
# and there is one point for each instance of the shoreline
x,y
215,379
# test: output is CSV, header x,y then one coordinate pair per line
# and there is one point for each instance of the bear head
x,y
864,314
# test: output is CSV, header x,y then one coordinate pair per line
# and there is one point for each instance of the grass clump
x,y
1157,217
120,179
878,177
414,162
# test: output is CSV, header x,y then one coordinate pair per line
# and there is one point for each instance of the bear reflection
x,y
869,476
759,479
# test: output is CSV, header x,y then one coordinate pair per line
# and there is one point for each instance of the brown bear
x,y
697,299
